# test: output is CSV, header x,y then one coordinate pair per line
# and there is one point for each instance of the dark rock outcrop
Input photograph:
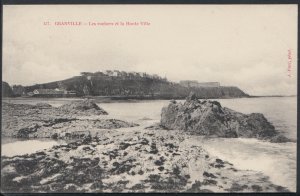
x,y
6,90
210,118
83,106
43,105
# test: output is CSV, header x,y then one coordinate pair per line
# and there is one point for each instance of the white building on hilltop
x,y
195,83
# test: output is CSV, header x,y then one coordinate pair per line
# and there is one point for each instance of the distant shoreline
x,y
133,98
258,96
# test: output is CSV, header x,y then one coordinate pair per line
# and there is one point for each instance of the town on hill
x,y
122,85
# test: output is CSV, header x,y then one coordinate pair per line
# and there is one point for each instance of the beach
x,y
201,164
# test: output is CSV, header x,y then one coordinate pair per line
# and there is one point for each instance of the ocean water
x,y
12,147
278,161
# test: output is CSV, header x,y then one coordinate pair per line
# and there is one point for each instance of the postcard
x,y
149,98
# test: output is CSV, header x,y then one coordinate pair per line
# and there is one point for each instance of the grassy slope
x,y
138,86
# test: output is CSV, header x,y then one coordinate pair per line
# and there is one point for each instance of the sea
x,y
276,160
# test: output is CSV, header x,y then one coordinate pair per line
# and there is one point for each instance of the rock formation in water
x,y
211,119
85,106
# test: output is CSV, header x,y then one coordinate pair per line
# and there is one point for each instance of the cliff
x,y
135,86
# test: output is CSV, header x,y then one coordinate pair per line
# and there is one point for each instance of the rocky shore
x,y
77,119
129,162
209,118
105,158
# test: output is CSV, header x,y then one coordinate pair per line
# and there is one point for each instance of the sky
x,y
249,46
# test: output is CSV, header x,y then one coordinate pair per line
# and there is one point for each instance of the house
x,y
195,83
109,73
30,94
53,93
70,92
209,84
116,73
47,92
189,83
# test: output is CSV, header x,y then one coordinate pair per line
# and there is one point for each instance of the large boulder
x,y
211,119
85,106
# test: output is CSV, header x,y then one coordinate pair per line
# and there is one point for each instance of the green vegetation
x,y
134,85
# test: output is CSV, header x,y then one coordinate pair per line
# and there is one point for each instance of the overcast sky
x,y
242,45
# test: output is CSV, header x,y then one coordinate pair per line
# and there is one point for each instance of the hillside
x,y
135,85
6,90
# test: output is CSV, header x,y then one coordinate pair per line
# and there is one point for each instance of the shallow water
x,y
278,161
13,147
280,111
